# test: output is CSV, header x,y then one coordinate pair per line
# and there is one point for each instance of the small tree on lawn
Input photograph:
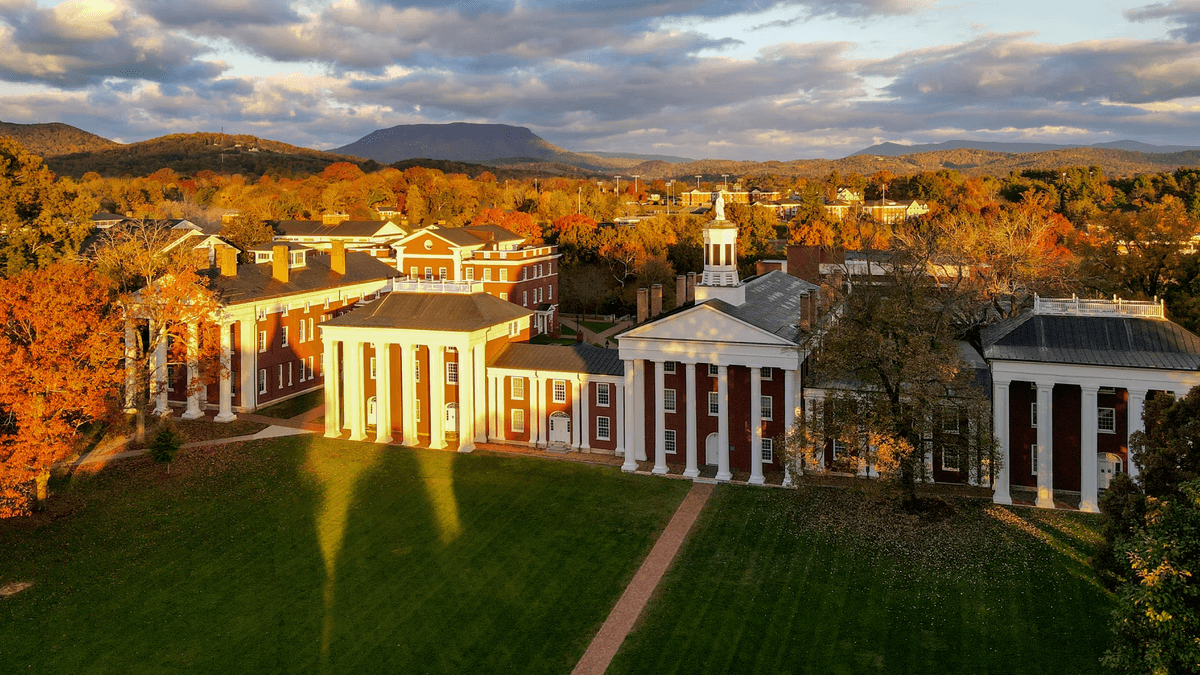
x,y
165,444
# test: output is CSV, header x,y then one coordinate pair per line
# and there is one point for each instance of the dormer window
x,y
296,258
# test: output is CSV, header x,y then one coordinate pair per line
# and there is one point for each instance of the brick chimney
x,y
655,300
227,261
680,289
643,305
691,286
337,258
279,264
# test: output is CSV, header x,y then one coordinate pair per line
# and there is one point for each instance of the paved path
x,y
622,618
592,337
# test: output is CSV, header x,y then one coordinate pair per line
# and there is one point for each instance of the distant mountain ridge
x,y
669,159
50,139
500,144
897,150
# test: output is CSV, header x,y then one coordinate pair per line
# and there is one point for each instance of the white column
x,y
1000,428
756,470
158,382
333,389
1089,427
248,363
576,421
383,392
437,397
660,420
1045,438
689,405
626,425
466,398
131,380
225,387
585,419
408,394
535,408
619,430
1134,408
479,403
639,409
494,430
790,405
723,472
193,411
356,396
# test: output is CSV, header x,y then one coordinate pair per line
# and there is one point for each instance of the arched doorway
x,y
451,427
560,428
711,444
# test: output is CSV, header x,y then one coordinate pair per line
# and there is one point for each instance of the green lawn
x,y
824,581
545,339
305,555
596,326
294,406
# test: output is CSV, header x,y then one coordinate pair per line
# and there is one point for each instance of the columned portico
x,y
1089,427
1134,409
437,397
383,392
689,405
660,420
1045,444
225,382
723,470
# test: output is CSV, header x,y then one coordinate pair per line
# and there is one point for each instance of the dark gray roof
x,y
106,216
254,282
316,228
1121,341
289,245
773,303
577,358
456,312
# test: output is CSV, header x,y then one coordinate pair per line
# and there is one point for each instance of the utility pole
x,y
697,183
671,187
579,200
725,177
618,186
635,184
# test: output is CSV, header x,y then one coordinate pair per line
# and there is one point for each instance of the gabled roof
x,y
269,246
1120,341
254,282
456,312
577,358
774,302
346,228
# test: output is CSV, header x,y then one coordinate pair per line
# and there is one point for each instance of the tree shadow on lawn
x,y
304,555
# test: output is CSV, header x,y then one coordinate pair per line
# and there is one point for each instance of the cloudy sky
x,y
738,79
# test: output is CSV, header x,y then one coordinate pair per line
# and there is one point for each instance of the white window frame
x,y
714,403
279,368
1112,418
768,450
452,372
302,336
603,429
518,420
524,298
416,410
503,274
442,273
949,413
428,274
947,467
766,408
416,369
516,389
262,380
603,395
413,272
839,448
714,370
312,333
374,368
669,400
504,296
487,274
669,441
310,368
1033,415
767,373
470,272
669,367
262,341
1033,459
559,391
290,373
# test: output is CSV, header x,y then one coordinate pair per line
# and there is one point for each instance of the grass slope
x,y
825,581
305,555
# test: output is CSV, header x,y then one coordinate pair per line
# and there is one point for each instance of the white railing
x,y
431,286
1075,306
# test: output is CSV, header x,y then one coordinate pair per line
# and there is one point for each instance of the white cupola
x,y
720,278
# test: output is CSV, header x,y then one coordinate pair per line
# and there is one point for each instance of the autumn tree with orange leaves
x,y
517,222
60,341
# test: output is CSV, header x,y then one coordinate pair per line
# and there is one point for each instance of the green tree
x,y
245,231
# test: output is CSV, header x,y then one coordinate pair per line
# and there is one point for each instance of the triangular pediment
x,y
703,324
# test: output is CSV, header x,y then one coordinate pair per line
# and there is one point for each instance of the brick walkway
x,y
622,618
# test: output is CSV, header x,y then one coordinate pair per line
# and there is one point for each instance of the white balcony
x,y
1074,306
433,286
